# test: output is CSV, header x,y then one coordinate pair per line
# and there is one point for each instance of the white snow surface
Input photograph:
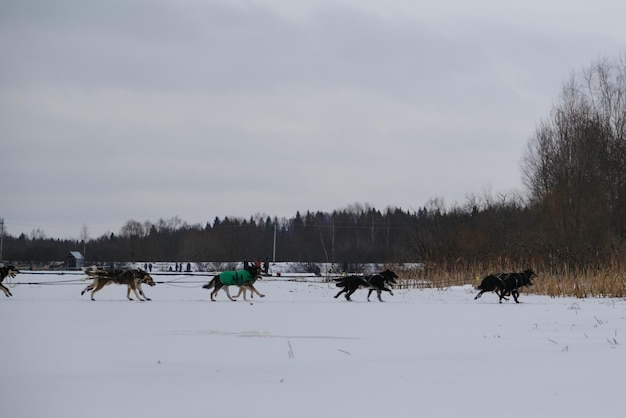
x,y
299,352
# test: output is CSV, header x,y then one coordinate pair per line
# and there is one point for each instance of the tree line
x,y
573,214
356,234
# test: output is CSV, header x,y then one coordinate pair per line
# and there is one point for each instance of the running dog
x,y
375,283
350,284
245,279
506,284
132,278
7,271
378,283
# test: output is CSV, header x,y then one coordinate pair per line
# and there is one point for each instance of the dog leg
x,y
379,293
349,293
340,292
386,289
228,294
6,291
253,291
97,288
217,285
141,292
137,293
241,290
369,293
87,289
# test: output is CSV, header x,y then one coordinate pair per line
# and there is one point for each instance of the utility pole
x,y
1,236
274,251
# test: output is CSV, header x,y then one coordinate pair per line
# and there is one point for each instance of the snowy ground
x,y
299,352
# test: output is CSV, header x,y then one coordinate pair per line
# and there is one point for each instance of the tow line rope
x,y
173,282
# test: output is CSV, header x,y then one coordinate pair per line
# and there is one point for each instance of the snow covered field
x,y
299,352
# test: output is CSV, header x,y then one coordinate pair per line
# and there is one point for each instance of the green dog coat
x,y
237,278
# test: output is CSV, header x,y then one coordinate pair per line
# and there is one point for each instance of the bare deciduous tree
x,y
574,164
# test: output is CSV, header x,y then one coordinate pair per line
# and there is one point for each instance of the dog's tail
x,y
211,284
89,271
93,271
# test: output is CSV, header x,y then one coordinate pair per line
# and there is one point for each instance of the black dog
x,y
7,271
513,281
350,284
506,284
377,282
491,283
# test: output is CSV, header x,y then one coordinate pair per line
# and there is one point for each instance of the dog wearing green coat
x,y
244,279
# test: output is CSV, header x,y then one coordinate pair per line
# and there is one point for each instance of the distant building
x,y
74,260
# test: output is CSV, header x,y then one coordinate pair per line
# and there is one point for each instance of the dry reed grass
x,y
590,282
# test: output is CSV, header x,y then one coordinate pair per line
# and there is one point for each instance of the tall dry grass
x,y
555,282
598,283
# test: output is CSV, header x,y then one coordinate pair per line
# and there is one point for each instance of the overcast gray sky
x,y
127,109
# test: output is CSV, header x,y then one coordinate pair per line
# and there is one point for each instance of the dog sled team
x,y
503,284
